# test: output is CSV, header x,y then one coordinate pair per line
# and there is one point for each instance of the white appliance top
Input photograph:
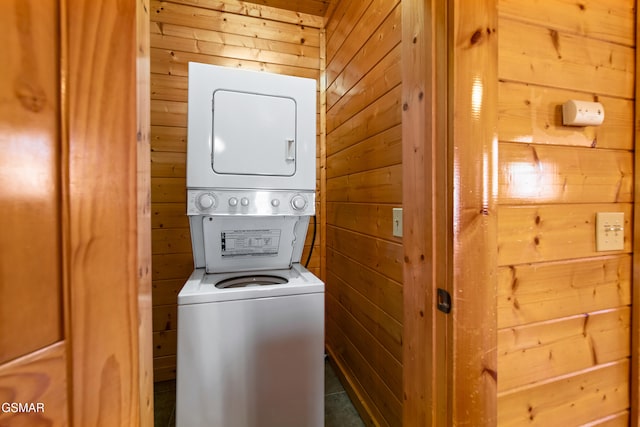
x,y
250,130
201,287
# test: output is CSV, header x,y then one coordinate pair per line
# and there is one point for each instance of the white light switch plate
x,y
609,231
397,222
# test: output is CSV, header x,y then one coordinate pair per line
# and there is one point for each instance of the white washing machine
x,y
251,349
250,317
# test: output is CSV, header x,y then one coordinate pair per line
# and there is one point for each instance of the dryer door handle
x,y
290,148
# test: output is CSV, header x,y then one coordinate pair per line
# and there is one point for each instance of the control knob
x,y
298,202
206,201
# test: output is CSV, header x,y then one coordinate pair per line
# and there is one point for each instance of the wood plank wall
x,y
563,308
364,171
230,33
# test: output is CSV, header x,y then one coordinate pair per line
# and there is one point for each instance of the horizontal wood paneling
x,y
166,291
530,113
539,55
379,151
265,9
550,174
544,291
171,241
164,317
168,215
384,113
169,113
164,368
563,307
366,58
374,186
357,361
553,232
372,329
172,62
385,332
307,58
380,255
169,190
168,164
345,17
168,138
573,399
172,266
560,346
383,77
221,32
170,88
164,343
364,183
383,292
233,23
584,19
318,8
371,219
355,44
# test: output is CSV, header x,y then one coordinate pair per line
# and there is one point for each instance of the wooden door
x,y
33,351
74,269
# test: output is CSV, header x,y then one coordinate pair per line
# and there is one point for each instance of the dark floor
x,y
338,410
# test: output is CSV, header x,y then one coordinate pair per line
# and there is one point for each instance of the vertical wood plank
x,y
634,381
475,83
103,212
425,205
323,154
143,165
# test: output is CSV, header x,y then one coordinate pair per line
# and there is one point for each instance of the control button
x,y
244,201
233,202
298,202
206,201
275,203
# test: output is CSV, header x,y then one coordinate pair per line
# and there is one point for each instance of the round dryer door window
x,y
249,281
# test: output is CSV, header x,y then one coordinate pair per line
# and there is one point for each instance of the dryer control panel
x,y
250,202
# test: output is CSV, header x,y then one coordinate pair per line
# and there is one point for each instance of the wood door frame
x,y
107,234
426,211
449,163
634,382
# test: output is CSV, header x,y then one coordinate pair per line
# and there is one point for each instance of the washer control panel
x,y
250,202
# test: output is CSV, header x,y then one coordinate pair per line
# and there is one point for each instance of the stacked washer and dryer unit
x,y
250,317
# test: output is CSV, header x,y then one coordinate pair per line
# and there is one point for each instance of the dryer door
x,y
250,130
253,134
